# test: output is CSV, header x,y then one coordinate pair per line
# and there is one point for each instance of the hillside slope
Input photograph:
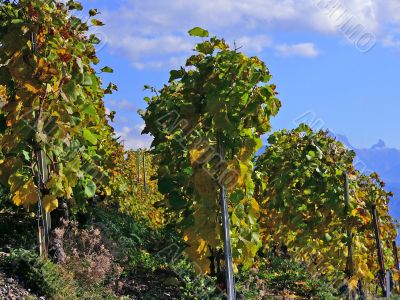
x,y
111,256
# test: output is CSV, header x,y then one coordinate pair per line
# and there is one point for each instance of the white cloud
x,y
138,46
391,42
303,49
123,119
140,127
124,132
256,43
132,139
153,33
122,104
167,63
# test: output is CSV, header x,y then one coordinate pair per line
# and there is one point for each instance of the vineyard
x,y
201,214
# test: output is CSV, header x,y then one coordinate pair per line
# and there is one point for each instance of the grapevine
x,y
219,91
300,186
51,101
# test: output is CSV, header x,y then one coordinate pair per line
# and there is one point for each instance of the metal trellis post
x,y
349,263
44,218
379,251
230,281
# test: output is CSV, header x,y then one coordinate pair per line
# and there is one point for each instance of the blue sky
x,y
335,63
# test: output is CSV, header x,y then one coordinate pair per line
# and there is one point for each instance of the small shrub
x,y
87,255
41,276
282,276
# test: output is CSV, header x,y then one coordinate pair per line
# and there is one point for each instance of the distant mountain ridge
x,y
383,160
379,158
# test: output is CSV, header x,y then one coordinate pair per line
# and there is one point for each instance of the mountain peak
x,y
381,144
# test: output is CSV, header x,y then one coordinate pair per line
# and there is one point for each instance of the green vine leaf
x,y
107,70
199,32
89,136
96,22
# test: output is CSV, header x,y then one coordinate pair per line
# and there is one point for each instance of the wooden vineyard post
x,y
44,218
360,290
350,250
144,172
379,251
230,281
396,255
396,259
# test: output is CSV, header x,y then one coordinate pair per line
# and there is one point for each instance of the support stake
x,y
44,218
350,250
144,172
138,165
230,281
388,285
396,259
379,251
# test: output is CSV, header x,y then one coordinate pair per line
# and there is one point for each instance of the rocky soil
x,y
11,289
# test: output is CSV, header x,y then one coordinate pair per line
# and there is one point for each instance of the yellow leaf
x,y
25,194
49,88
243,172
31,88
200,262
108,191
254,205
63,54
352,282
41,64
195,154
245,153
3,95
202,246
235,269
55,86
68,192
50,203
61,51
396,275
56,114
